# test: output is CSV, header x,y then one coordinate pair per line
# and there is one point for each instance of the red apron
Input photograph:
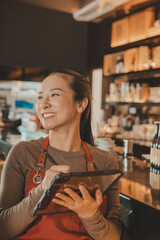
x,y
63,226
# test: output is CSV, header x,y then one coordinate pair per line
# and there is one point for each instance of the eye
x,y
39,97
54,94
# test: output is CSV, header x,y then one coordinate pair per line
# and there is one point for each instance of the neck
x,y
69,142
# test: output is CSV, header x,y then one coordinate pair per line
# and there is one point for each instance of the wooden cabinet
x,y
135,66
133,58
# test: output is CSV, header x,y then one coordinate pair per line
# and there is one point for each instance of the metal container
x,y
127,147
128,164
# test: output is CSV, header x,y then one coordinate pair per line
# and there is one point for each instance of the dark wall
x,y
38,37
98,42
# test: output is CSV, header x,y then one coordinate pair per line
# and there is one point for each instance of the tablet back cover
x,y
104,182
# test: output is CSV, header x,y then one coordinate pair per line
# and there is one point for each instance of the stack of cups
x,y
128,155
106,144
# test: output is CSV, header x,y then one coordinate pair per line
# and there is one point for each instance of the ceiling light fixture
x,y
96,9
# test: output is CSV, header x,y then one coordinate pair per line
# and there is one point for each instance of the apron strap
x,y
42,156
90,165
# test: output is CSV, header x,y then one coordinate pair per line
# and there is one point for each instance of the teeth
x,y
48,115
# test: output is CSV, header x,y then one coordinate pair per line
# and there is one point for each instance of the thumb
x,y
98,197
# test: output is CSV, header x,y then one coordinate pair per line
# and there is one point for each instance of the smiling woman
x,y
64,107
57,110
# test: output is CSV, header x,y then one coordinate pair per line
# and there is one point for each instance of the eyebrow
x,y
51,90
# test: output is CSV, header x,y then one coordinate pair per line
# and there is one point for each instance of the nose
x,y
45,103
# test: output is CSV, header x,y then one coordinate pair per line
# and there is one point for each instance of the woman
x,y
63,107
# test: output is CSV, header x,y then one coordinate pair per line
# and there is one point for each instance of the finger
x,y
59,201
60,168
45,183
64,198
56,169
84,191
50,174
73,194
98,197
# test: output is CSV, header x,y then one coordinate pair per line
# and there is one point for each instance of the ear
x,y
82,105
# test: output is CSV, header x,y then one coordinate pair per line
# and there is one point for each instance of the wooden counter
x,y
140,204
136,185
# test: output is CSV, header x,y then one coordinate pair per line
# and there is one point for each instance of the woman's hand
x,y
85,206
52,172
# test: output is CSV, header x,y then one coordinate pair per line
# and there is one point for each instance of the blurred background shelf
x,y
132,103
148,73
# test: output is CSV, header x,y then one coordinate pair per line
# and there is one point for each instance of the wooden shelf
x,y
137,8
132,103
150,41
137,74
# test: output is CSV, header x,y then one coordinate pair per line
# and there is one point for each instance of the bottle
x,y
132,92
157,164
153,151
119,64
137,95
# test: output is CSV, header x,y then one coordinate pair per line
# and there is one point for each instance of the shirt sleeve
x,y
13,205
106,227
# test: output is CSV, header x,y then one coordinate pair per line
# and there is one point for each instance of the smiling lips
x,y
48,115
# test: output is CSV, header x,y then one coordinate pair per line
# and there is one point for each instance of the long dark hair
x,y
81,89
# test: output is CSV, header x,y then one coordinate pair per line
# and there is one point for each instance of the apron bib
x,y
62,226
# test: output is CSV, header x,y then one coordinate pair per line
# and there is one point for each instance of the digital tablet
x,y
91,180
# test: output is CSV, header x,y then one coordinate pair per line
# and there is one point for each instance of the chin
x,y
48,127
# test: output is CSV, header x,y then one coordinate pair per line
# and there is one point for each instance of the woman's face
x,y
55,105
